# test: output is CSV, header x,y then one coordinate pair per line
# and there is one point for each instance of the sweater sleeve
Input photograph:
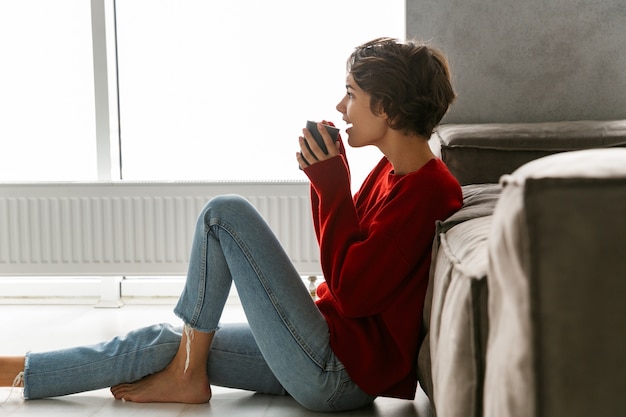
x,y
330,195
325,174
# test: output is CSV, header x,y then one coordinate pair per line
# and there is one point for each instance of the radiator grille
x,y
134,228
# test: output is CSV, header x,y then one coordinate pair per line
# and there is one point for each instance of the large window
x,y
47,119
172,90
207,90
221,90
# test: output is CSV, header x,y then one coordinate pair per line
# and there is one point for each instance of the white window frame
x,y
106,88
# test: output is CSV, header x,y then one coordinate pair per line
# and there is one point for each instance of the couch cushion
x,y
482,153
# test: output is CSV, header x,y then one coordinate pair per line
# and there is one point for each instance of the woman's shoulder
x,y
434,181
433,172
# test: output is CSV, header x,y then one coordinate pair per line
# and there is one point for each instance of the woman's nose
x,y
341,106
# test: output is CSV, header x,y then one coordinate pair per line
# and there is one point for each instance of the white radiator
x,y
134,228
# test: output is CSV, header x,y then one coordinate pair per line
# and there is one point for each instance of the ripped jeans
x,y
284,347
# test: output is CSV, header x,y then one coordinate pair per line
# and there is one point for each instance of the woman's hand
x,y
312,154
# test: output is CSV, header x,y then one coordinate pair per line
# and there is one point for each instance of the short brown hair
x,y
408,81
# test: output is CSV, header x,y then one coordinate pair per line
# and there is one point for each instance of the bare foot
x,y
184,380
171,385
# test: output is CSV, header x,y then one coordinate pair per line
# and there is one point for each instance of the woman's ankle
x,y
10,367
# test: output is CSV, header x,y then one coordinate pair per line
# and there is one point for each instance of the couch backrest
x,y
482,153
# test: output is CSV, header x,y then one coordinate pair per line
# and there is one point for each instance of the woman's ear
x,y
380,112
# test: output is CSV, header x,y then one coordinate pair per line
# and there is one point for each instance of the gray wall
x,y
529,61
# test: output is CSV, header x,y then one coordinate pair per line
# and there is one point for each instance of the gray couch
x,y
525,313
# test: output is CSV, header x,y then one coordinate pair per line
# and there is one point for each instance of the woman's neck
x,y
408,153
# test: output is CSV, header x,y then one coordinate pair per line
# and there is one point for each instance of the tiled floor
x,y
43,327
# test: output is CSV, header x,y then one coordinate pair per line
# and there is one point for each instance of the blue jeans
x,y
284,347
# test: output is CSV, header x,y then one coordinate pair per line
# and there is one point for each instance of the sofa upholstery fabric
x,y
452,354
556,282
482,153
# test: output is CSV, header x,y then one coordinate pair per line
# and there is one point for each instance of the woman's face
x,y
366,127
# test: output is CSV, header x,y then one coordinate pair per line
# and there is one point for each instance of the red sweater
x,y
375,253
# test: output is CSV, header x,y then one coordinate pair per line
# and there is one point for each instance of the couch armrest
x,y
557,281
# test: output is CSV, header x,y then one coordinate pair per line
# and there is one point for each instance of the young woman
x,y
360,339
